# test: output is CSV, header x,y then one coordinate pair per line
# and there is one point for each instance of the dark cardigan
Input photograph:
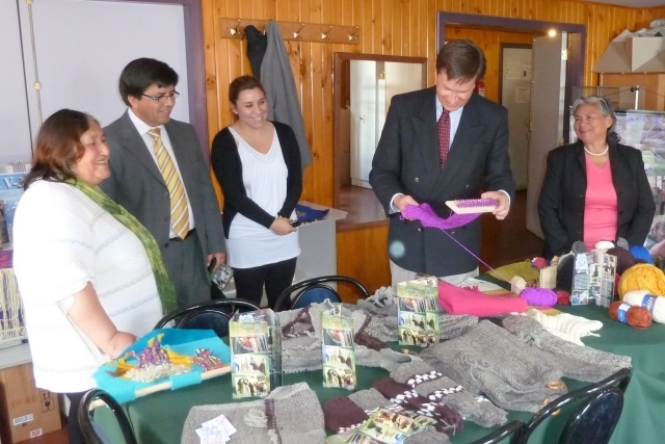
x,y
563,194
227,167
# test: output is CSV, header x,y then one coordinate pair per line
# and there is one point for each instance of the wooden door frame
x,y
576,44
338,73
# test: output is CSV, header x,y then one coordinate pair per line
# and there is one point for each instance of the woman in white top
x,y
257,164
91,277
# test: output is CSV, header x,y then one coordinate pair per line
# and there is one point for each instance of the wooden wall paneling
x,y
362,254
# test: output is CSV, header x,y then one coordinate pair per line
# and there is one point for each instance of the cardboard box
x,y
25,411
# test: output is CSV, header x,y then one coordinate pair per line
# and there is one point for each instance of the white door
x,y
362,103
547,105
516,97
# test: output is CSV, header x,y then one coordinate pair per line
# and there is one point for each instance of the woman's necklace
x,y
607,147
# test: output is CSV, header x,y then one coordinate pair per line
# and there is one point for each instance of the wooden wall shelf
x,y
306,32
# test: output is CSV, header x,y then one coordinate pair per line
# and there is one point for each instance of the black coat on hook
x,y
257,42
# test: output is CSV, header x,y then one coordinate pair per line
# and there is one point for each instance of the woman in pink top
x,y
596,188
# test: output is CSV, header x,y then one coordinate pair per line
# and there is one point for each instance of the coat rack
x,y
306,32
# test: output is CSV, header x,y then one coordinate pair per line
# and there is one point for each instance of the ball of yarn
x,y
562,297
642,277
539,262
539,297
564,272
639,252
655,304
637,317
625,260
603,245
622,243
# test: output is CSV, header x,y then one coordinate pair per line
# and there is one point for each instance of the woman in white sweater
x,y
91,277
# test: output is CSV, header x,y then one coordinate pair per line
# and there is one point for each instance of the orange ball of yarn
x,y
637,317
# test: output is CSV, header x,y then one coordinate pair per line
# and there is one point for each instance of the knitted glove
x,y
525,381
582,363
437,388
286,407
448,420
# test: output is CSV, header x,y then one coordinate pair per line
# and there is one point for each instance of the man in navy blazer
x,y
406,169
147,87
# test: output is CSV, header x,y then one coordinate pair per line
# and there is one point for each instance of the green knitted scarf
x,y
165,287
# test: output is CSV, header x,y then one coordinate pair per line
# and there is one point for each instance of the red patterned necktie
x,y
443,129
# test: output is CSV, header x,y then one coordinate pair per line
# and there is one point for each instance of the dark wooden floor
x,y
503,243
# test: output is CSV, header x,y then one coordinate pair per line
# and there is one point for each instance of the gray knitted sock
x,y
439,388
369,400
236,414
582,363
286,407
488,359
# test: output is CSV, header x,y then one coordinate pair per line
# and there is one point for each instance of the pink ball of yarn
x,y
539,297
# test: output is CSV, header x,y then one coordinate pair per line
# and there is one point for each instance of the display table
x,y
159,418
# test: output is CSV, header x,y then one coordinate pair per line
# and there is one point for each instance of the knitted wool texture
x,y
429,219
235,413
301,342
369,399
286,407
472,408
582,363
488,359
275,420
566,326
383,305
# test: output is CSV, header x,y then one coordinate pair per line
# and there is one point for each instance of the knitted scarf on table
x,y
165,287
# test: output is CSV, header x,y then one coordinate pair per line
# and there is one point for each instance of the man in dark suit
x,y
159,175
442,143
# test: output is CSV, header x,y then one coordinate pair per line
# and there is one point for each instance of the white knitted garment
x,y
566,326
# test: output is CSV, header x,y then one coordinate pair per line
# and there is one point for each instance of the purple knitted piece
x,y
428,218
539,297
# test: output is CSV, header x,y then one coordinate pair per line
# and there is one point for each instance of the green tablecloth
x,y
159,418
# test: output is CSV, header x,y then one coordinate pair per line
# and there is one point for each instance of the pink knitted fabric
x,y
428,218
457,301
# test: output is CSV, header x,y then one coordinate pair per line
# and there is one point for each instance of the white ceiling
x,y
632,3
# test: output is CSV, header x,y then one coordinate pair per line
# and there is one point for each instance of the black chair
x,y
314,290
214,315
593,422
110,433
511,428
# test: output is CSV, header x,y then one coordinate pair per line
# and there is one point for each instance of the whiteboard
x,y
15,140
81,46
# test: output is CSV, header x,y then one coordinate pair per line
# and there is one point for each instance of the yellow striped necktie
x,y
179,204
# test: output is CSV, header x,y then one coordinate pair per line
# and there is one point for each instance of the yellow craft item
x,y
642,277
